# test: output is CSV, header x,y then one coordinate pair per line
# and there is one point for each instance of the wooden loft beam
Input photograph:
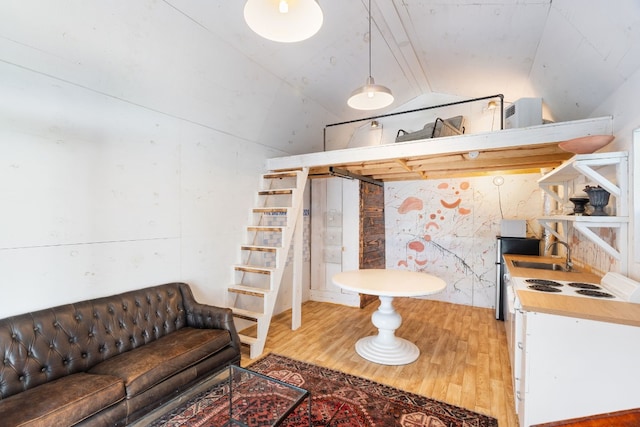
x,y
455,174
405,166
496,164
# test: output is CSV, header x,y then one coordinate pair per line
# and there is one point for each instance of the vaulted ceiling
x,y
197,60
571,53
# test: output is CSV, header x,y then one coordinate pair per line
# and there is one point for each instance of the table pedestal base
x,y
403,353
385,348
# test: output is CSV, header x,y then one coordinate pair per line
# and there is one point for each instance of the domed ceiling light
x,y
370,96
284,21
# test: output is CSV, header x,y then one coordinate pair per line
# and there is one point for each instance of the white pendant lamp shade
x,y
370,96
284,21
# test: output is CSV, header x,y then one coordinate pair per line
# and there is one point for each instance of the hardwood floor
x,y
463,351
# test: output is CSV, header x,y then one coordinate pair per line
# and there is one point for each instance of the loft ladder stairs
x,y
276,225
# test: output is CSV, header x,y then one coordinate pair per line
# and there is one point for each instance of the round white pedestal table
x,y
385,347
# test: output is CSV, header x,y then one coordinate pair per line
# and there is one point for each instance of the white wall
x,y
130,154
102,196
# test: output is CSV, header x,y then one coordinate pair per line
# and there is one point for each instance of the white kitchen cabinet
x,y
608,170
574,367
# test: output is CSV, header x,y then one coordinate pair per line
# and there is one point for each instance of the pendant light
x,y
284,21
370,96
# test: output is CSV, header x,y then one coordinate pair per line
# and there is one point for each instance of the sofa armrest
x,y
204,316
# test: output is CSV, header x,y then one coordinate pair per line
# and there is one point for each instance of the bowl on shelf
x,y
585,144
579,204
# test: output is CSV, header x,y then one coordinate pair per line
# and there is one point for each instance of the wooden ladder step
x,y
249,290
264,228
258,248
283,209
246,314
276,192
277,175
247,340
254,269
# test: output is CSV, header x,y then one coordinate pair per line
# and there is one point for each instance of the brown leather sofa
x,y
108,361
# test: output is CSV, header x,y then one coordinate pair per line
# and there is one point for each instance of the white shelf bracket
x,y
585,229
547,224
547,188
605,183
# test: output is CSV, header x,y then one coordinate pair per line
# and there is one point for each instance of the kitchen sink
x,y
539,265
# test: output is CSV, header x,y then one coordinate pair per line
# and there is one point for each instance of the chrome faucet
x,y
568,263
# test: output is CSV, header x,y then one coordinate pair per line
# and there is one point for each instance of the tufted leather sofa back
x,y
45,345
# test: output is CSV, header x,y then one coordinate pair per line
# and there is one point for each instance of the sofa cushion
x,y
152,363
62,402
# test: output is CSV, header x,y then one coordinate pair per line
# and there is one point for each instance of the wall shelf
x,y
608,170
591,166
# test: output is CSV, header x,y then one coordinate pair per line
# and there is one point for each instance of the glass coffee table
x,y
251,399
259,400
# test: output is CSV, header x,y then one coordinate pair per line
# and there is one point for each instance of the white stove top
x,y
612,287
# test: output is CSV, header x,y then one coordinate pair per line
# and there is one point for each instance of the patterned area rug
x,y
338,400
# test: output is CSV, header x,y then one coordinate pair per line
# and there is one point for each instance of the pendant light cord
x,y
369,38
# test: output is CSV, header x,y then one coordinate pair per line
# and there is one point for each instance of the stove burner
x,y
545,288
597,294
543,282
583,285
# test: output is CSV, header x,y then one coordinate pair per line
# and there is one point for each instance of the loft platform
x,y
522,150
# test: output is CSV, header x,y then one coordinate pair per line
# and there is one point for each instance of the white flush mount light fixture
x,y
285,21
370,96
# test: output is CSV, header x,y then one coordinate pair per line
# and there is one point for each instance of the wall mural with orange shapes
x,y
449,228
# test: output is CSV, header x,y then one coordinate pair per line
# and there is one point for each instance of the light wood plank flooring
x,y
463,351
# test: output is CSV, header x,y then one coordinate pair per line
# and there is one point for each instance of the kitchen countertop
x,y
628,418
585,308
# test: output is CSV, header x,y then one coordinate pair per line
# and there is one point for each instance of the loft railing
x,y
449,104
